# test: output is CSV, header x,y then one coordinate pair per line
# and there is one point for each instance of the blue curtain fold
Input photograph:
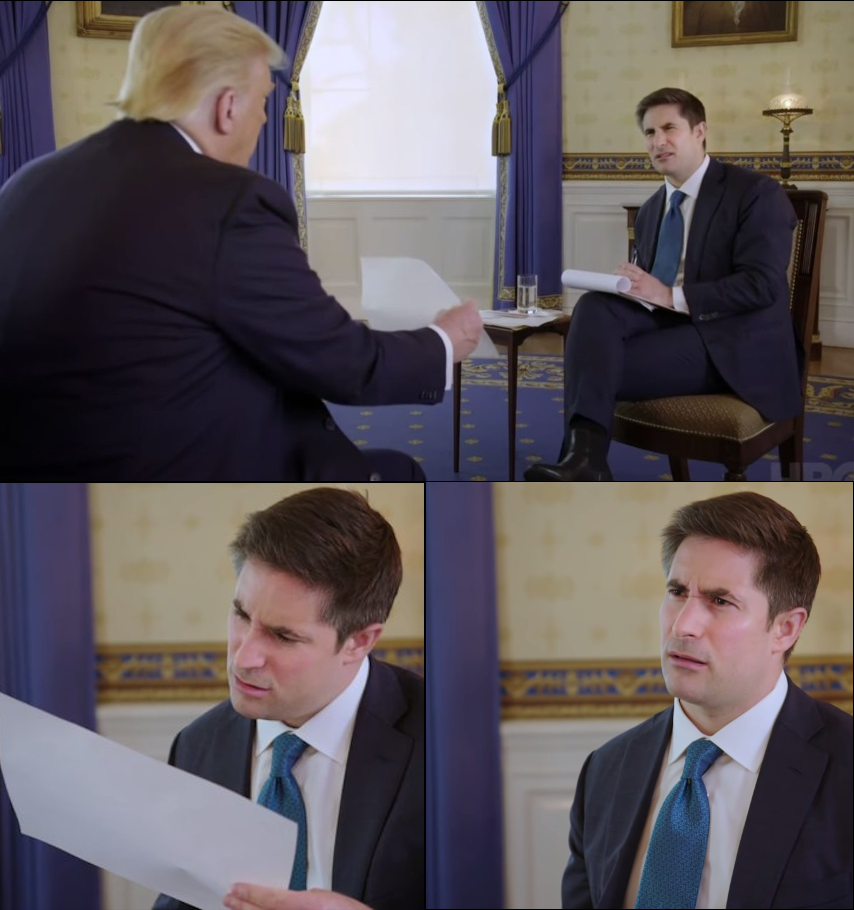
x,y
26,107
46,660
291,25
528,213
464,814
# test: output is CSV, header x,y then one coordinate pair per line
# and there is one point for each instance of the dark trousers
x,y
617,350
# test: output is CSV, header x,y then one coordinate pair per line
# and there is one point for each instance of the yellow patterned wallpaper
x,y
616,52
161,571
85,75
579,572
613,54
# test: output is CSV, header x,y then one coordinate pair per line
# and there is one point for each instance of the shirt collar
x,y
188,138
691,187
329,731
743,739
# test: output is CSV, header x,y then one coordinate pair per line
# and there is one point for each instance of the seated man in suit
x,y
739,795
159,319
315,728
715,269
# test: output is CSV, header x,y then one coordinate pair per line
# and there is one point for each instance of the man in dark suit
x,y
719,320
317,575
158,317
741,576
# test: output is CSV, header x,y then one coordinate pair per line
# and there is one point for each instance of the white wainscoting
x,y
594,238
148,729
452,234
541,764
455,235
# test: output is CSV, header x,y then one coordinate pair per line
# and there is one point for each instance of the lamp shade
x,y
787,101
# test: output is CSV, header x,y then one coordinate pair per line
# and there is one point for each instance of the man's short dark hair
x,y
787,563
690,107
331,540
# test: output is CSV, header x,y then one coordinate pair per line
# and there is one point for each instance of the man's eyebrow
x,y
651,129
275,630
710,593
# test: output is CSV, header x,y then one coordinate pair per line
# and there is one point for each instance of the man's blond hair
x,y
179,55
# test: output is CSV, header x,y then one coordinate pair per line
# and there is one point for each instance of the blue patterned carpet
x,y
427,432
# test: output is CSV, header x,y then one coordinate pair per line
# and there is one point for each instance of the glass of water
x,y
526,293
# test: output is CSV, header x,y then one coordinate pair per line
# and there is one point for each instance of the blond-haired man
x,y
160,320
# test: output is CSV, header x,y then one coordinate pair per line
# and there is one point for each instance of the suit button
x,y
375,477
329,424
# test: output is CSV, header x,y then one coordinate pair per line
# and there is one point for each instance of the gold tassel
x,y
501,125
294,139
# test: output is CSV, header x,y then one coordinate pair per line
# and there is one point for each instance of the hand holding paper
x,y
140,818
601,281
403,293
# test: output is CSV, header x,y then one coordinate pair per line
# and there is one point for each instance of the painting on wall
x,y
115,20
697,23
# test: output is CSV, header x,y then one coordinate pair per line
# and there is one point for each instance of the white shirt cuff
x,y
449,356
679,302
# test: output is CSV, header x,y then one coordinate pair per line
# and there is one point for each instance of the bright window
x,y
398,98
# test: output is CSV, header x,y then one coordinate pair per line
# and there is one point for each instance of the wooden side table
x,y
510,337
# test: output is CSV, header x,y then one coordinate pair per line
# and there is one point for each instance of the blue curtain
x,y
26,109
528,212
464,818
46,660
291,25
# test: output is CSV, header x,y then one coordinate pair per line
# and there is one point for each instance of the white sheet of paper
x,y
403,293
135,816
510,318
601,281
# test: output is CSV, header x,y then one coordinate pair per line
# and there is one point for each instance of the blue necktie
x,y
281,793
677,848
668,253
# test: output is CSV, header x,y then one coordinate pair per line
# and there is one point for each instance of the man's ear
x,y
360,643
786,629
224,110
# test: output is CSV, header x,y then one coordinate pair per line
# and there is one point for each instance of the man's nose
x,y
249,653
689,620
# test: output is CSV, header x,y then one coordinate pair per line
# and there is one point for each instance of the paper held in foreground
x,y
403,293
137,817
601,281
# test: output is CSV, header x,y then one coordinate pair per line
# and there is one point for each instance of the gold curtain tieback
x,y
501,125
294,133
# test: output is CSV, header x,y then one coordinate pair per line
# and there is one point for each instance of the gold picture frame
x,y
115,20
698,24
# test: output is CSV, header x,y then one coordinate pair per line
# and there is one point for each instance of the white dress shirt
x,y
319,771
729,783
446,341
691,187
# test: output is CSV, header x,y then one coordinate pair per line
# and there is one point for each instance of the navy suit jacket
x,y
796,846
379,846
160,321
739,245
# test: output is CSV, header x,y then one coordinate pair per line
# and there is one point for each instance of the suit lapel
x,y
231,754
790,775
376,763
708,200
634,783
646,239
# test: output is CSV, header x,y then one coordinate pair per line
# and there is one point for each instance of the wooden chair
x,y
723,428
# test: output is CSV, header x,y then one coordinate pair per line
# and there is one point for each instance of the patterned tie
x,y
677,848
281,793
669,251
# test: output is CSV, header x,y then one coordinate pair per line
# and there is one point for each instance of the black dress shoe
x,y
585,461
